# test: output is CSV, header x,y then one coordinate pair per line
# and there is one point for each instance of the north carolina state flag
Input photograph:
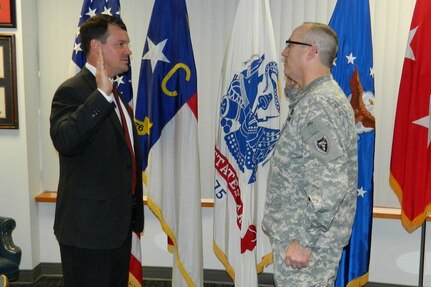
x,y
410,176
167,122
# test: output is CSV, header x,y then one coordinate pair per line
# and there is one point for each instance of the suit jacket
x,y
95,206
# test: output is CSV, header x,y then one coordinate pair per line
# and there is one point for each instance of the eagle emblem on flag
x,y
243,114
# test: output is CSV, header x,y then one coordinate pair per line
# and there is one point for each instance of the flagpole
x,y
422,254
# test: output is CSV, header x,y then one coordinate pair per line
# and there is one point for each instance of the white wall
x,y
395,254
29,164
20,155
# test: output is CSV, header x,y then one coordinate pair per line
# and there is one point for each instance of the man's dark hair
x,y
96,27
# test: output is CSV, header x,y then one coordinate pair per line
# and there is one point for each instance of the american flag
x,y
110,7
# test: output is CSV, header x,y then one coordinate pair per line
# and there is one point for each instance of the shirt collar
x,y
91,68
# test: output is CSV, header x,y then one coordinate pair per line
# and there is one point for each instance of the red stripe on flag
x,y
135,266
193,104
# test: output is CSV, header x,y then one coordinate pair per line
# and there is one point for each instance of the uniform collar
x,y
295,94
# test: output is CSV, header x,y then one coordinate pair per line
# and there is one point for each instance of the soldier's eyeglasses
x,y
289,43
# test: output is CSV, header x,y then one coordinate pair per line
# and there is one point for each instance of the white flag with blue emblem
x,y
247,128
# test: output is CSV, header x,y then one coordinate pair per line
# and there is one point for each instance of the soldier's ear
x,y
312,52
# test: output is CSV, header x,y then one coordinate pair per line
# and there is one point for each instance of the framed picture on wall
x,y
8,86
7,14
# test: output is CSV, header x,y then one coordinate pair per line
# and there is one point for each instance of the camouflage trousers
x,y
321,272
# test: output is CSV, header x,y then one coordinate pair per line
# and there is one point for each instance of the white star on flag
x,y
350,59
91,12
155,53
426,122
361,192
372,72
119,80
409,50
107,11
77,48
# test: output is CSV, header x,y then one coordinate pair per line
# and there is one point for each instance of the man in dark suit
x,y
99,199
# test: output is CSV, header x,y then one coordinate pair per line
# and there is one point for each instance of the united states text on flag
x,y
410,176
166,117
247,128
111,7
353,70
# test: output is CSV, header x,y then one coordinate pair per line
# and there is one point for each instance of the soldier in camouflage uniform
x,y
311,197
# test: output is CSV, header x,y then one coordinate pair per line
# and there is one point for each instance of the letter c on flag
x,y
169,75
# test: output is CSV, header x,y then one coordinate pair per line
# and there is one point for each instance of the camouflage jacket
x,y
312,184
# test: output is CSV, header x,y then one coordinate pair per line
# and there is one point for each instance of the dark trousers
x,y
96,267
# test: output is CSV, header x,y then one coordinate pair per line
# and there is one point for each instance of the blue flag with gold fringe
x,y
353,70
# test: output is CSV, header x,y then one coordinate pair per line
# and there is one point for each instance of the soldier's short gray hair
x,y
324,39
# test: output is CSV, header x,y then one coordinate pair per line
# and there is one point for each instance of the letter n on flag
x,y
410,176
166,119
247,128
111,7
353,70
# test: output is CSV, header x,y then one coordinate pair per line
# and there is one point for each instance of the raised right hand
x,y
102,79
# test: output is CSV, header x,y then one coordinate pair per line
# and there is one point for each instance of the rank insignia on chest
x,y
321,144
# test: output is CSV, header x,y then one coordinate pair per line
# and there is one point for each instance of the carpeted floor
x,y
57,281
51,281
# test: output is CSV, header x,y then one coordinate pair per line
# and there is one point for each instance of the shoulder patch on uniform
x,y
321,144
321,139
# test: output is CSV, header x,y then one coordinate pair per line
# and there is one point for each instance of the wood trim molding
x,y
46,196
378,211
51,197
